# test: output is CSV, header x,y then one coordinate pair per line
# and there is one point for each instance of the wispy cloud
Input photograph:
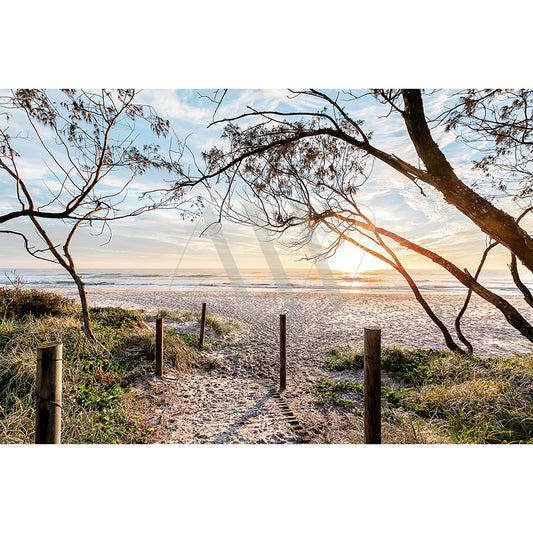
x,y
174,105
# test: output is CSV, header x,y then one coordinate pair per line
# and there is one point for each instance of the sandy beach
x,y
236,402
316,321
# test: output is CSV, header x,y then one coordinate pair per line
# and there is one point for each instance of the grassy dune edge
x,y
434,396
98,406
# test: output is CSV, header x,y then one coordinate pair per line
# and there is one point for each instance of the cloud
x,y
174,105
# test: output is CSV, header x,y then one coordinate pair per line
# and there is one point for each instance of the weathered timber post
x,y
282,352
372,370
202,327
159,347
48,382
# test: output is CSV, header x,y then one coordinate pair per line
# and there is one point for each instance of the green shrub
x,y
413,366
343,357
222,326
18,303
328,392
116,317
176,353
178,316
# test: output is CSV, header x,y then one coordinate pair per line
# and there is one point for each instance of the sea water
x,y
293,280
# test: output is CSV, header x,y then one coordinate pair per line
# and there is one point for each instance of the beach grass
x,y
222,326
343,357
439,396
97,404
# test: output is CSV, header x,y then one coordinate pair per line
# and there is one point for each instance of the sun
x,y
352,260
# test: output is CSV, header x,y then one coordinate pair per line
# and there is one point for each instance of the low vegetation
x,y
336,392
448,397
18,302
344,357
221,326
98,406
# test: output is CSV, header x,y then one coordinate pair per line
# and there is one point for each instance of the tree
x,y
86,138
317,161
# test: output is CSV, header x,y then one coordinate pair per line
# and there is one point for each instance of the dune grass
x,y
464,399
97,404
222,326
343,357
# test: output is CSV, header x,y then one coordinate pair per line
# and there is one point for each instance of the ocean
x,y
291,280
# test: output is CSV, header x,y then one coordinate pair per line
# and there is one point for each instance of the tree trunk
x,y
462,338
87,326
450,343
518,282
496,223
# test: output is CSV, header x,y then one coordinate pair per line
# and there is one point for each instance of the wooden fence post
x,y
48,382
202,327
372,370
159,347
282,352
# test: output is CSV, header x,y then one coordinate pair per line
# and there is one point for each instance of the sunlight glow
x,y
352,260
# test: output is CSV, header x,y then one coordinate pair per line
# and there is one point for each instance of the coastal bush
x,y
406,366
413,366
84,367
18,302
221,325
466,399
189,338
353,393
176,315
193,340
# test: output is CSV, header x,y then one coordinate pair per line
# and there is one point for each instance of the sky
x,y
162,239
